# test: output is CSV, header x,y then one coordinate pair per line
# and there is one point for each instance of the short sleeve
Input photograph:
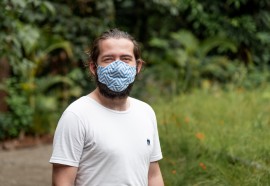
x,y
68,140
156,153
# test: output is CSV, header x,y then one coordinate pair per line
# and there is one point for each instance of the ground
x,y
26,166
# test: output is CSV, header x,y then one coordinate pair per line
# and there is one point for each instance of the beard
x,y
108,93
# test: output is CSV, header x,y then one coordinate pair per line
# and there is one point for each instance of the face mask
x,y
117,75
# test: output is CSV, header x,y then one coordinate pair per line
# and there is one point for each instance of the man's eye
x,y
108,59
126,59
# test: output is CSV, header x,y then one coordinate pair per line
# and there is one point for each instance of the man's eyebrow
x,y
126,55
108,55
111,55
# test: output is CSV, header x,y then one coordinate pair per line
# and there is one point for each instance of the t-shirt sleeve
x,y
156,153
68,140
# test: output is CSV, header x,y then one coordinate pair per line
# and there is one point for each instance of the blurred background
x,y
206,76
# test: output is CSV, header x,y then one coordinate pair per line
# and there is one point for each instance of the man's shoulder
x,y
77,101
140,104
79,104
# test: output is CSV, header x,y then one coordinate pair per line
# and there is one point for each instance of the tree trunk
x,y
4,74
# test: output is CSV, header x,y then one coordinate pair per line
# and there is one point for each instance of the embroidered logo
x,y
148,142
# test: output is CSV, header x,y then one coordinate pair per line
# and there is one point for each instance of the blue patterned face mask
x,y
117,75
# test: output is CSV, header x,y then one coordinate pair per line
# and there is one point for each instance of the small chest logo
x,y
148,142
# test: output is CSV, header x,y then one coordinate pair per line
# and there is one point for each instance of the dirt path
x,y
26,167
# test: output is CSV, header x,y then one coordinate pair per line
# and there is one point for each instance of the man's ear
x,y
92,68
140,63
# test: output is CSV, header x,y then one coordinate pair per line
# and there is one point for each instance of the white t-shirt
x,y
110,148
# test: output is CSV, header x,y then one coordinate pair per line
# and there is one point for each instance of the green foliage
x,y
35,107
186,61
20,117
49,99
232,19
186,44
35,97
213,137
243,21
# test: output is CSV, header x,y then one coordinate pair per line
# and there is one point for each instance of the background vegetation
x,y
198,52
212,137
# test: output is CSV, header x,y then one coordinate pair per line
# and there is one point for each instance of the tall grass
x,y
216,138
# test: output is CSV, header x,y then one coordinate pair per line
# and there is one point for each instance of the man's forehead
x,y
113,41
114,44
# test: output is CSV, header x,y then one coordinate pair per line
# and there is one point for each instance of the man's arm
x,y
154,175
63,175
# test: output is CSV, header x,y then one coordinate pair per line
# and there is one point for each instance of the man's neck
x,y
119,104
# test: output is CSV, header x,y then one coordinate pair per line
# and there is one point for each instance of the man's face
x,y
110,51
116,49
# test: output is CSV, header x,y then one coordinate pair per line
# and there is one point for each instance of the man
x,y
107,138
